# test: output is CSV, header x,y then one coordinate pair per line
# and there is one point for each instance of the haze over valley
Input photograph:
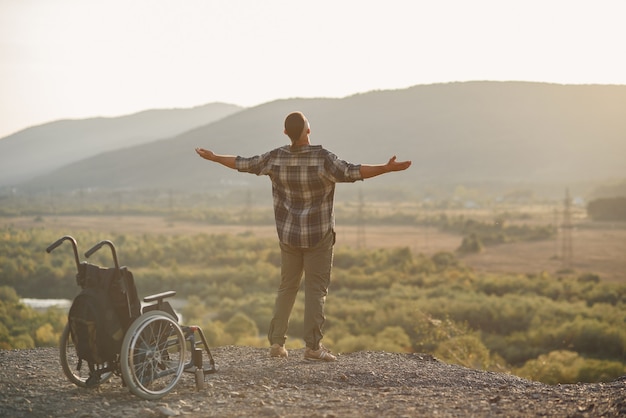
x,y
507,134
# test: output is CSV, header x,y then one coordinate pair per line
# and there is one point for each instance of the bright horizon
x,y
74,59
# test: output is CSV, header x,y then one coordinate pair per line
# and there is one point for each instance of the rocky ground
x,y
250,384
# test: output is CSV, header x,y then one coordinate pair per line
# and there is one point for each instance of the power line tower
x,y
360,223
555,225
247,210
566,236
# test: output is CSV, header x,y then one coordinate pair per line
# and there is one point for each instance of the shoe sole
x,y
320,359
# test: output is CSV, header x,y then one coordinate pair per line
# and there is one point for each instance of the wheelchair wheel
x,y
69,363
153,355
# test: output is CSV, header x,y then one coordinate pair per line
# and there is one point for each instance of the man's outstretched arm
x,y
225,160
369,171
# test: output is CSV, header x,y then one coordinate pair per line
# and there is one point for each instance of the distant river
x,y
44,304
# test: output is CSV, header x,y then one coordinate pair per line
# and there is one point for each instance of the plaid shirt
x,y
303,188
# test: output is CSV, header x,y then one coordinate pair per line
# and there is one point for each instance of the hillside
x,y
249,383
456,133
44,148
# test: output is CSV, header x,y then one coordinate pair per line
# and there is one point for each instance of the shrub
x,y
556,367
569,367
464,350
470,244
240,326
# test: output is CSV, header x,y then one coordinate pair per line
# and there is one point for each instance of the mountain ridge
x,y
40,149
457,132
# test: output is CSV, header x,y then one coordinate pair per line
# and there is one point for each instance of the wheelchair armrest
x,y
159,296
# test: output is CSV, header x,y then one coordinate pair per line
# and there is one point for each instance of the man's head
x,y
296,126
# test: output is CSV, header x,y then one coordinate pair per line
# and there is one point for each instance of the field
x,y
597,248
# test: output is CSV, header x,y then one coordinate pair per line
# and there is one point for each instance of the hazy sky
x,y
67,59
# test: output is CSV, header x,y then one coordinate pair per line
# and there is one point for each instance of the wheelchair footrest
x,y
207,368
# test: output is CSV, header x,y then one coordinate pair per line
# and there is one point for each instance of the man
x,y
303,186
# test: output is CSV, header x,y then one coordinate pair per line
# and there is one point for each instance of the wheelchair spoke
x,y
153,355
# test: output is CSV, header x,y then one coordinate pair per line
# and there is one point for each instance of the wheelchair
x,y
155,349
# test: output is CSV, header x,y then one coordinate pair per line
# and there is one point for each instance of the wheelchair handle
x,y
58,242
99,245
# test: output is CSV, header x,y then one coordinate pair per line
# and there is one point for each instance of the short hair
x,y
295,124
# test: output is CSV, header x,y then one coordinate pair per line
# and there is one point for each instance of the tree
x,y
609,209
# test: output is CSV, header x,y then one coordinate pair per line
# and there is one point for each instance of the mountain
x,y
455,133
41,149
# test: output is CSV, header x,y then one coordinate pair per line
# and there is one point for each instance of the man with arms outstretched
x,y
303,187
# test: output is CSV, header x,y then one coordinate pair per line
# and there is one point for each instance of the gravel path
x,y
250,384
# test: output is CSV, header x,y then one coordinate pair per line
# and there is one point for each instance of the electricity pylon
x,y
566,236
360,223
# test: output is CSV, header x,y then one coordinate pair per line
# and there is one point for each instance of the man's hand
x,y
206,154
225,160
393,165
369,171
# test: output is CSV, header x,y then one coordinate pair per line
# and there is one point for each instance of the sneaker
x,y
322,354
277,350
